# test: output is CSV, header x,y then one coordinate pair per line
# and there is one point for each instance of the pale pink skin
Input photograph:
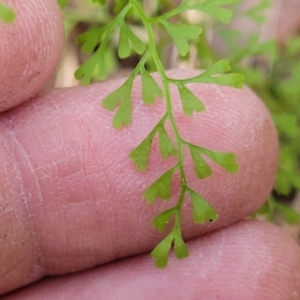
x,y
71,199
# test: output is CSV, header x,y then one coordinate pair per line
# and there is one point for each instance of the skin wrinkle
x,y
109,200
25,199
85,114
17,238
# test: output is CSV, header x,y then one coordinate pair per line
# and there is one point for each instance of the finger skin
x,y
250,260
73,199
30,49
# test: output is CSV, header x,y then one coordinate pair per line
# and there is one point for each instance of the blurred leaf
x,y
90,39
85,71
289,214
101,2
181,33
213,8
268,48
222,66
6,13
293,46
63,3
124,46
283,183
253,76
263,210
257,13
286,123
128,40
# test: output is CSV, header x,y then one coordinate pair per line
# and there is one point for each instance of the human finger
x,y
73,199
249,260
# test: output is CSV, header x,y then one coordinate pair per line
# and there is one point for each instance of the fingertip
x,y
250,260
30,50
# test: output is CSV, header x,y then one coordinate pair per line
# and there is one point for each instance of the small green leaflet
x,y
181,33
160,221
123,115
233,79
289,214
150,88
257,13
140,154
101,2
226,160
202,211
213,8
190,102
293,46
121,96
283,182
161,252
202,169
89,40
161,188
97,60
287,124
62,3
111,100
180,248
128,40
6,13
166,146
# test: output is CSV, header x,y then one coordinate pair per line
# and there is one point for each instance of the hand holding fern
x,y
71,200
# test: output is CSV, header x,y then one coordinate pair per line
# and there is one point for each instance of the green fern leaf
x,y
181,34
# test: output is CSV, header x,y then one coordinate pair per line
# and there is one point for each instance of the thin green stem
x,y
119,17
169,113
169,14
